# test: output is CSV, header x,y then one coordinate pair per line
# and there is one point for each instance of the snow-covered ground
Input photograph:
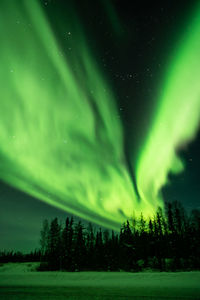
x,y
20,281
18,268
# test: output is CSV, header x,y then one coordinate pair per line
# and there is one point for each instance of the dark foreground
x,y
90,293
99,285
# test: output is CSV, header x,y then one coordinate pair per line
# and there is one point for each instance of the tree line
x,y
169,241
18,256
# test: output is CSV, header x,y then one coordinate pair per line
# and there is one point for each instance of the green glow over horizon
x,y
60,133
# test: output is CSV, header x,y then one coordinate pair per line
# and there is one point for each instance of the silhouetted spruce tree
x,y
195,239
114,252
79,248
70,246
171,235
122,261
107,249
99,252
90,243
143,246
44,240
151,244
170,217
54,255
179,235
65,245
126,250
159,240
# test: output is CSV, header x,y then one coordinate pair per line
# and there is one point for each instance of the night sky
x,y
132,43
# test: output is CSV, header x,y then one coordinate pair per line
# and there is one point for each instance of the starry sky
x,y
132,43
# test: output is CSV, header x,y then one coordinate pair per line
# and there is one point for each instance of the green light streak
x,y
177,118
61,139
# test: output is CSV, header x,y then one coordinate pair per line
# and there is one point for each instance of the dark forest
x,y
168,242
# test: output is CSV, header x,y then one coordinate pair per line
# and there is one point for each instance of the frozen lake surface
x,y
19,282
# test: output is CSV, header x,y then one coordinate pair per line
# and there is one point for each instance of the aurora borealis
x,y
62,140
177,117
64,145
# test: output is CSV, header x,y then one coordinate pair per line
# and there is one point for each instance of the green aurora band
x,y
177,117
61,139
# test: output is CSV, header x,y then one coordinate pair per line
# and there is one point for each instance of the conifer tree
x,y
90,243
54,245
79,248
44,239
